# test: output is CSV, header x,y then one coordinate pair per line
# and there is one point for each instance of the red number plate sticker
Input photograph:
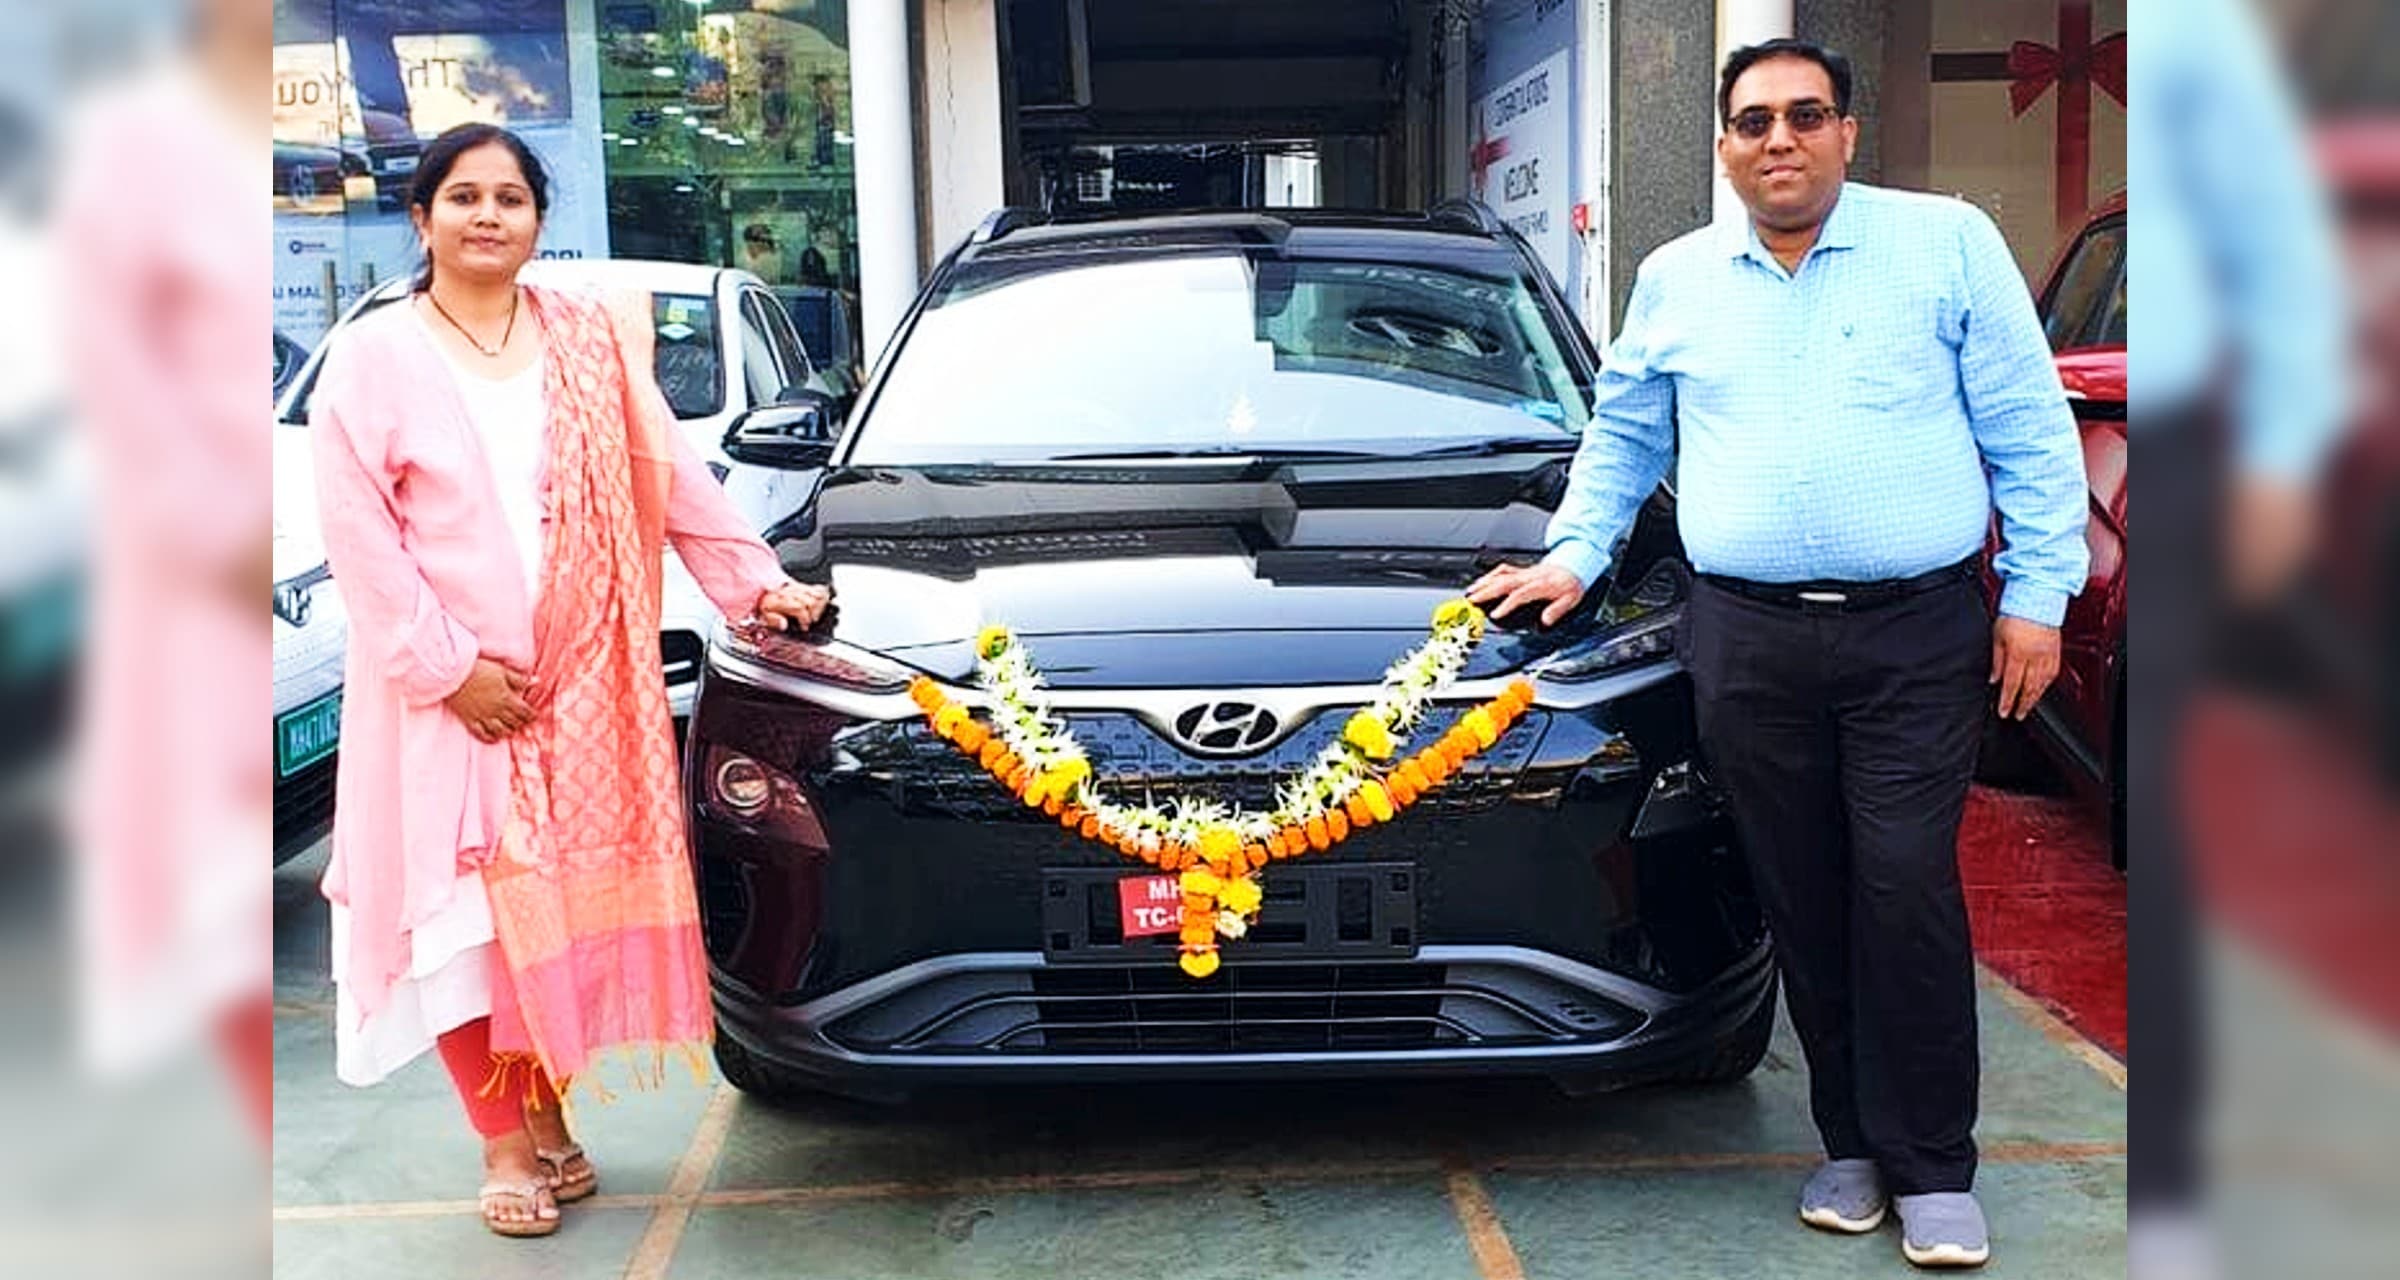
x,y
1148,905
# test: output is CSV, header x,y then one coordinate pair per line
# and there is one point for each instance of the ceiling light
x,y
670,111
663,72
608,136
733,141
627,142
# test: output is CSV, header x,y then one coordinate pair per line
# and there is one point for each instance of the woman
x,y
510,878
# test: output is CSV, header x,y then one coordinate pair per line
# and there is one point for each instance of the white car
x,y
311,630
724,347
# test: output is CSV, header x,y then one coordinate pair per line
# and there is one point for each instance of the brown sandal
x,y
531,1191
566,1188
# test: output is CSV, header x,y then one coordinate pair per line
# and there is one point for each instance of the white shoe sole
x,y
1945,1255
1827,1219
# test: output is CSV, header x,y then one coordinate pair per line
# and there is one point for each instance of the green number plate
x,y
307,734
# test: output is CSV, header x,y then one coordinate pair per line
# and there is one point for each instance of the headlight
x,y
1649,623
831,661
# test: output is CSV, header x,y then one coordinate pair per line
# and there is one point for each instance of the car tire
x,y
2116,770
756,1076
2009,758
1739,1054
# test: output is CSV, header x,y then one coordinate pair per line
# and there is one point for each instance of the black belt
x,y
1845,597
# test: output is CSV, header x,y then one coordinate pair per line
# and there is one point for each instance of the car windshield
x,y
687,361
1221,352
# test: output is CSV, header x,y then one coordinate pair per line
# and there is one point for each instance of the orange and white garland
x,y
1220,849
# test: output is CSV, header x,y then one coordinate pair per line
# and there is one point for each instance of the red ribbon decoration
x,y
2033,68
2074,66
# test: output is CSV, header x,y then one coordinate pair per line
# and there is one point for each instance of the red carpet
x,y
2297,850
2047,909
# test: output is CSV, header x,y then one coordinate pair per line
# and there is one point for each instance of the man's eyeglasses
x,y
1804,117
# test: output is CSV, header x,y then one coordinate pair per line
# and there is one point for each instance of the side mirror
x,y
795,433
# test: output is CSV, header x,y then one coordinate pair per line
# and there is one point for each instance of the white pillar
x,y
963,129
1739,22
1455,140
885,152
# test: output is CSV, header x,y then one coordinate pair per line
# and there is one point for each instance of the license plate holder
x,y
307,733
1311,911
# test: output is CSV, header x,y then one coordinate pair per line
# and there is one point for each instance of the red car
x,y
2082,720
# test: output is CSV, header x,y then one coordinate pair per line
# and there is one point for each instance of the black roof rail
x,y
1474,215
1000,222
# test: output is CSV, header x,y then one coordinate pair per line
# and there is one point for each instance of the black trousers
x,y
1845,742
2183,503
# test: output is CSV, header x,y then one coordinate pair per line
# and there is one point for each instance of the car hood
x,y
1209,576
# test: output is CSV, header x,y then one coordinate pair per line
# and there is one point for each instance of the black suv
x,y
1216,471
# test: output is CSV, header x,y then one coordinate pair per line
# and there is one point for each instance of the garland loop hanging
x,y
1219,849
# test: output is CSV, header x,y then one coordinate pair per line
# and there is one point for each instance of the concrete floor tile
x,y
2054,1221
1370,1230
590,1243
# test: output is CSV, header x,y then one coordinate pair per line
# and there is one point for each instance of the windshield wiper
x,y
1496,447
1214,453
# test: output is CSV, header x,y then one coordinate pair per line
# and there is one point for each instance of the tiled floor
x,y
1467,1180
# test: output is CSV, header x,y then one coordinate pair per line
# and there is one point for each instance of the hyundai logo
x,y
292,603
294,596
1225,728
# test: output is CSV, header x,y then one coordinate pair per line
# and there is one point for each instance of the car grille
x,y
304,806
1135,763
1149,1009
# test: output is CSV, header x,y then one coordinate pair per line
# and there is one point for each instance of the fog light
x,y
743,785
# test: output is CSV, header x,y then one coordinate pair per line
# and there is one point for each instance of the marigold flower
x,y
1402,794
1089,828
1377,800
1017,776
947,719
1219,846
1479,723
971,736
1200,882
1199,961
991,642
989,755
1337,826
1413,775
1520,692
1459,612
926,694
1052,805
1370,735
1355,809
1006,764
1241,895
1320,834
1255,855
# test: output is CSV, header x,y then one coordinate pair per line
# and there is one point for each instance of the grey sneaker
x,y
1845,1196
1944,1229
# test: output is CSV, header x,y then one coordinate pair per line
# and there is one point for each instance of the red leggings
x,y
497,1095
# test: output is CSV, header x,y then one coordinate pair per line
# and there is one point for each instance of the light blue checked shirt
x,y
1855,420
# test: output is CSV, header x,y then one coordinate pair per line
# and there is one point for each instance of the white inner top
x,y
511,419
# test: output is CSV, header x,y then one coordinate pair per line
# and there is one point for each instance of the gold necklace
x,y
505,334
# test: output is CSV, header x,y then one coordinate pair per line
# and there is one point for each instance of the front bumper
x,y
1003,1017
1576,903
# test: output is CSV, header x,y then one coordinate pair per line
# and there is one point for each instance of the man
x,y
1843,369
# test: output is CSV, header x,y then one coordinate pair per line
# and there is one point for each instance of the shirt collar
x,y
1739,237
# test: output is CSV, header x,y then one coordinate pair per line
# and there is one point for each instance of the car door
x,y
771,361
2084,316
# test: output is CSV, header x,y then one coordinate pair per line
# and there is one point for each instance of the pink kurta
x,y
417,538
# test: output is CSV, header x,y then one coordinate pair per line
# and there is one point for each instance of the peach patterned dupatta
x,y
591,889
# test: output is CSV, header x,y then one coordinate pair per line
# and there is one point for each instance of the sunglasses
x,y
1804,117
